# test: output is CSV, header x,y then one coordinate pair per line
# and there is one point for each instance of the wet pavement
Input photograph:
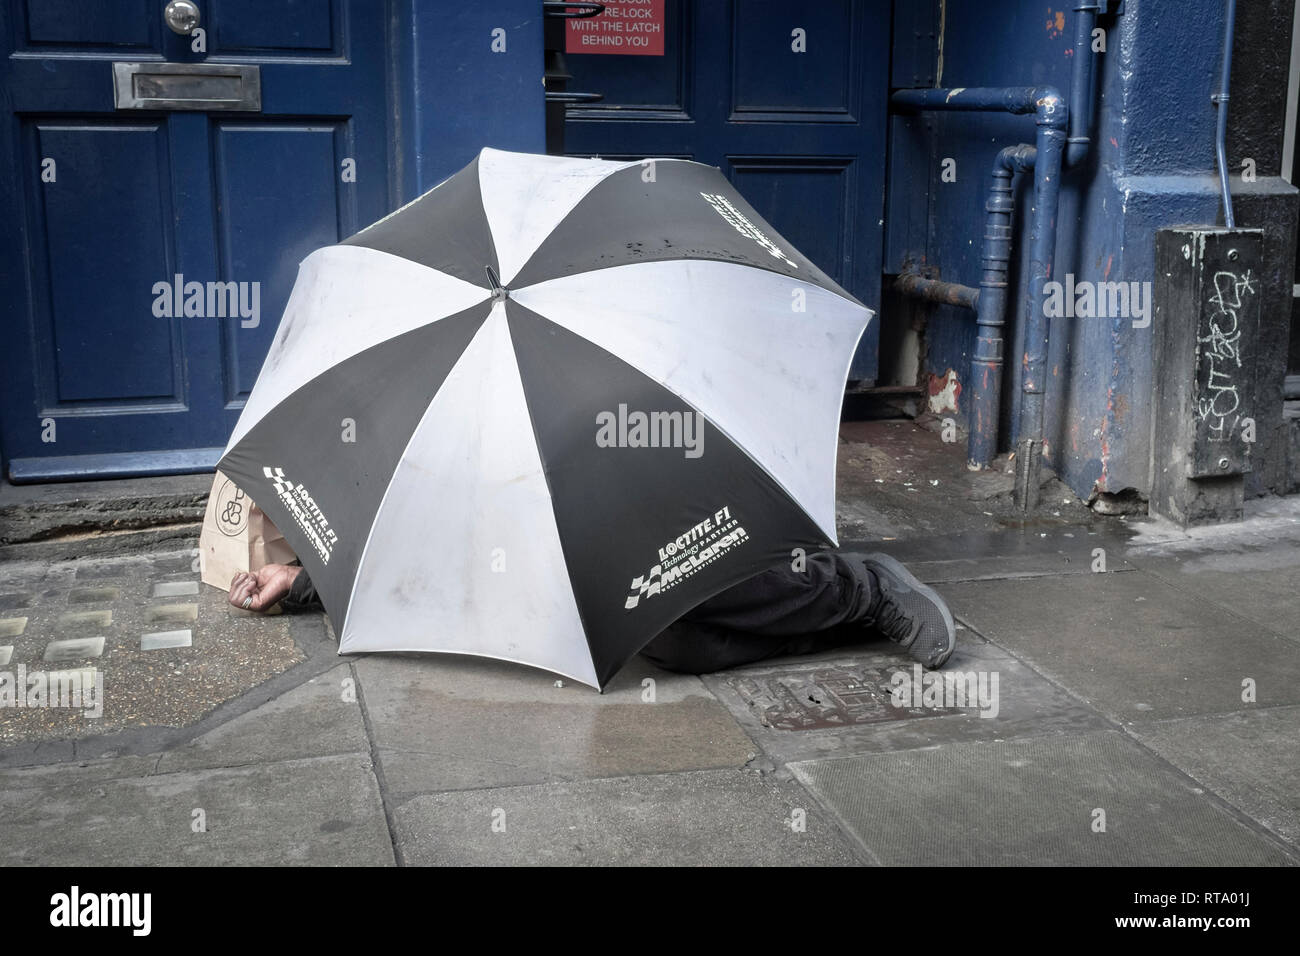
x,y
1122,692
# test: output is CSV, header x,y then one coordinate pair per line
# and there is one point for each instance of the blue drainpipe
x,y
1220,99
1046,158
1053,148
1085,21
986,363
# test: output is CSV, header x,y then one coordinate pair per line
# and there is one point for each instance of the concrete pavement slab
x,y
1024,549
1130,644
701,818
1096,799
1260,584
1250,759
448,723
69,772
320,811
317,718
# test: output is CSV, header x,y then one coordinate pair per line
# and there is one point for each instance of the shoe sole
x,y
925,591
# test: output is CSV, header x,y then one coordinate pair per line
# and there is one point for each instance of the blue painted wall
x,y
1151,166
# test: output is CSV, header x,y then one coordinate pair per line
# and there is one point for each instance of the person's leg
x,y
828,590
778,612
832,600
692,648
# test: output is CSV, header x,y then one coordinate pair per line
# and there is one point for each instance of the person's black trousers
x,y
778,612
826,603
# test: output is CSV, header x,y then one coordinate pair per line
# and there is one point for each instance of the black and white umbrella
x,y
548,407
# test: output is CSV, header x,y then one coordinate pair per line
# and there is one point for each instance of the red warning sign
x,y
628,27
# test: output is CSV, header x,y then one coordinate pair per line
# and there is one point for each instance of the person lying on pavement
x,y
831,600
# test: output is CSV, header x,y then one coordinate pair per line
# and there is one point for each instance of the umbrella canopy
x,y
548,407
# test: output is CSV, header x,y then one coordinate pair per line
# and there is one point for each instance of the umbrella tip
x,y
499,292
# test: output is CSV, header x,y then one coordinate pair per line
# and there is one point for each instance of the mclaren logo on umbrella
x,y
740,222
686,554
306,513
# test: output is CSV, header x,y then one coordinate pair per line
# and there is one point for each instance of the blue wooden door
x,y
788,99
103,202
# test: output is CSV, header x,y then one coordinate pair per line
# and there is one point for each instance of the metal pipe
x,y
1051,121
986,99
1085,21
986,363
1053,148
935,290
1050,143
1220,100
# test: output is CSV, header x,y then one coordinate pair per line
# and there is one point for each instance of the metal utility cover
x,y
837,695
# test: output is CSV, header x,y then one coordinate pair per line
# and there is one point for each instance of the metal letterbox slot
x,y
187,86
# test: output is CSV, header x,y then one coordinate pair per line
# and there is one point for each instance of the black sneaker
x,y
909,613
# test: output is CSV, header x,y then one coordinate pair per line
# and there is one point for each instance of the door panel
x,y
284,27
800,133
139,197
268,230
77,25
788,189
815,84
81,234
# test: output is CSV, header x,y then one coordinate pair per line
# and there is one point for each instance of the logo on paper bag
x,y
232,509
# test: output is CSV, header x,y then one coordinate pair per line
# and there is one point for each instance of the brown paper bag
x,y
237,536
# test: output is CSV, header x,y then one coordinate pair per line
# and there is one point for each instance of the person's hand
x,y
260,589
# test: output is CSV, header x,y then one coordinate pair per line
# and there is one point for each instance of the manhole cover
x,y
838,696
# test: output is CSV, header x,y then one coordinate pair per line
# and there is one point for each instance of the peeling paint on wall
x,y
944,391
1055,23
